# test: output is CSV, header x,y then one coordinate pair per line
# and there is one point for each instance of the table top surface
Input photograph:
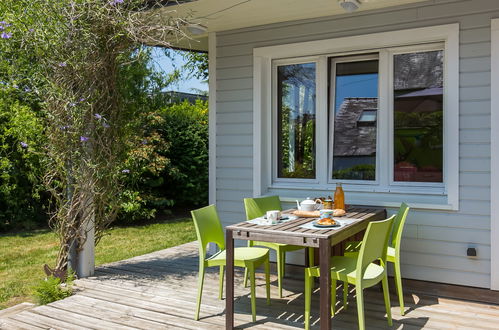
x,y
363,214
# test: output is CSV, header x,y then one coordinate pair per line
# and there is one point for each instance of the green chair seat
x,y
257,207
344,269
393,250
242,257
360,271
209,230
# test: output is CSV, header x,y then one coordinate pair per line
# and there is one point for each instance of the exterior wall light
x,y
350,5
197,29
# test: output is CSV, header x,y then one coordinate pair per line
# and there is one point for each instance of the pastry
x,y
339,212
307,214
326,222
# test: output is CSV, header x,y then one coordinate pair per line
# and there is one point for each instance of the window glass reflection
x,y
355,118
418,117
296,121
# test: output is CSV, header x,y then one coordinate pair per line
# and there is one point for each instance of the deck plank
x,y
158,291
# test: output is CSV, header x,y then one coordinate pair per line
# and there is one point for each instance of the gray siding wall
x,y
435,242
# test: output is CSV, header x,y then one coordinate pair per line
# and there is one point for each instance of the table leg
x,y
229,280
325,283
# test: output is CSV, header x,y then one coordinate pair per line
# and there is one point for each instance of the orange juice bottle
x,y
339,197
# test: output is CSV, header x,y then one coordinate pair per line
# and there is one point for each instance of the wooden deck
x,y
158,291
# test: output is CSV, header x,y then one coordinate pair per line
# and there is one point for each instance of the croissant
x,y
326,222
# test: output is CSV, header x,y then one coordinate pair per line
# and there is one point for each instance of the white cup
x,y
273,216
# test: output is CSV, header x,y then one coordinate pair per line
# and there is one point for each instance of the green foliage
x,y
52,289
170,165
419,138
196,63
303,130
187,130
78,88
357,172
76,55
21,194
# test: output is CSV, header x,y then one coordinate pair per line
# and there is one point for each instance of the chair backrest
x,y
398,225
208,228
256,207
374,244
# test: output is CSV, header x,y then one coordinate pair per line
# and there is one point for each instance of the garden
x,y
87,132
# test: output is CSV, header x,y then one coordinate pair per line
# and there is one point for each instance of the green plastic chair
x,y
209,230
257,207
360,271
393,251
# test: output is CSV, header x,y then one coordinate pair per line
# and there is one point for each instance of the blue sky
x,y
359,85
164,63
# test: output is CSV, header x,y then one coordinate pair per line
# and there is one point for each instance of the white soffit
x,y
223,15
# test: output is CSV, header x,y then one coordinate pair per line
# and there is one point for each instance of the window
x,y
379,117
418,117
415,136
355,92
367,117
296,121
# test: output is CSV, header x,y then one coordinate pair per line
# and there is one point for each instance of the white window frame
x,y
262,111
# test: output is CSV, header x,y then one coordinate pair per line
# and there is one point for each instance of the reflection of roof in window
x,y
424,92
350,138
418,70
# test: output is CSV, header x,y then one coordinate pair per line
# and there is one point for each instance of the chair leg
x,y
398,285
283,264
333,296
267,279
386,296
308,295
200,290
252,288
345,295
221,283
250,244
311,256
279,271
245,277
360,306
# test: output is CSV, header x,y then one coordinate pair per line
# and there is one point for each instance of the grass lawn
x,y
22,255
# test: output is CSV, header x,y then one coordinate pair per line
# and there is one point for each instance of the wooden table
x,y
290,232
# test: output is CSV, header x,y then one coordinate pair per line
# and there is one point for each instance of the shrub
x,y
21,197
170,166
52,289
186,128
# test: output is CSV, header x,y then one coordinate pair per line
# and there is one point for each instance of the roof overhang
x,y
225,15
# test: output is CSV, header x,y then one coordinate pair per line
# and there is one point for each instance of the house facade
x,y
417,83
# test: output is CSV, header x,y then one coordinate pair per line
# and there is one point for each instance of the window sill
x,y
424,198
364,188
